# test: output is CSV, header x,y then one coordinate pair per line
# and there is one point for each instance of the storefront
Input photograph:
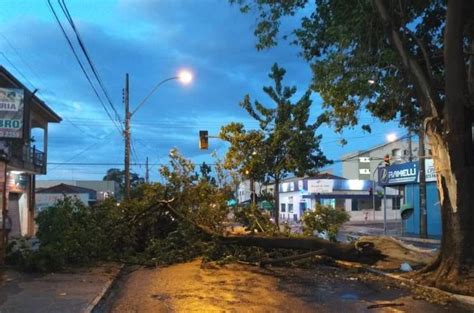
x,y
406,176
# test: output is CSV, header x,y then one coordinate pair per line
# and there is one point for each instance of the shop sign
x,y
320,185
398,174
430,173
11,113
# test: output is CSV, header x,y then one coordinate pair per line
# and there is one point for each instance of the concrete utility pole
x,y
422,186
126,134
147,172
184,76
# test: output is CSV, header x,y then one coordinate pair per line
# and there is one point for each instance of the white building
x,y
364,164
104,188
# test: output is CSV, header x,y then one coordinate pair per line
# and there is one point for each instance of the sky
x,y
152,40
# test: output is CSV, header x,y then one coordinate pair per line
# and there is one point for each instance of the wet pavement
x,y
197,287
74,291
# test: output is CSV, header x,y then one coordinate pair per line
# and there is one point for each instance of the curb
x,y
465,301
92,305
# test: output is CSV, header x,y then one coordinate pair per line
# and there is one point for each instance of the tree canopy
x,y
410,61
284,143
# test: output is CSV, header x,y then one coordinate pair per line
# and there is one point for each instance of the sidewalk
x,y
394,229
75,291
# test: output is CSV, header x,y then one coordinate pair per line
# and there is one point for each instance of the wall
x,y
412,225
44,200
294,198
97,185
352,165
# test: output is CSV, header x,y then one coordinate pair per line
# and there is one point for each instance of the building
x,y
363,164
46,197
406,177
24,120
103,188
355,196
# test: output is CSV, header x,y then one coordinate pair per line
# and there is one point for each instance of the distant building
x,y
363,164
104,188
47,197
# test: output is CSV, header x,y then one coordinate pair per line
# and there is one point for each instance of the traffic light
x,y
203,140
386,160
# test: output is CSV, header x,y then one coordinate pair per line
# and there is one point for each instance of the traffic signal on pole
x,y
203,140
386,160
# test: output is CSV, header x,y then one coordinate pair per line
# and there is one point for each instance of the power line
x,y
17,69
82,151
82,67
82,45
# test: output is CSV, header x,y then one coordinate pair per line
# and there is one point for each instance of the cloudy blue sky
x,y
151,40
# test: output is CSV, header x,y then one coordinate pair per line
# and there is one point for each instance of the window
x,y
359,204
396,152
303,207
282,207
290,207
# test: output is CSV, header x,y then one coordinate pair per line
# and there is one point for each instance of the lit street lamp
x,y
184,76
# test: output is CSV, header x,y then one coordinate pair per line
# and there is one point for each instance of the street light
x,y
184,76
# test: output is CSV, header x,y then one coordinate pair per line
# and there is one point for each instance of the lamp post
x,y
184,76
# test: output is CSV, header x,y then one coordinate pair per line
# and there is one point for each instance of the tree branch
x,y
430,103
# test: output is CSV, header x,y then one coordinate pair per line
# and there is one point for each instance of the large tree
x,y
285,142
399,59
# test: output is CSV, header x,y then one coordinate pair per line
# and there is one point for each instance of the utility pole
x,y
422,186
410,149
147,172
126,134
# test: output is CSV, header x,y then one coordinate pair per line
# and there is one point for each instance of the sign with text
x,y
398,174
430,173
11,113
320,185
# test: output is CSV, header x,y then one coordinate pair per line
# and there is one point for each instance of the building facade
x,y
406,177
24,120
104,188
46,197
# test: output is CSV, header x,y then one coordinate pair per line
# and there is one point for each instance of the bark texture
x,y
448,124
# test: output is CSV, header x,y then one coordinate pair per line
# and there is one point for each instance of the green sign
x,y
11,113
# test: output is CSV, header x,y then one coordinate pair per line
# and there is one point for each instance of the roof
x,y
360,152
40,105
66,189
325,176
315,176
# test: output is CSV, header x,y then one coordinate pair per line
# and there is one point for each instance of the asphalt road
x,y
194,287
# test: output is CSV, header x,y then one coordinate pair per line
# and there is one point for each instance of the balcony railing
x,y
37,157
27,158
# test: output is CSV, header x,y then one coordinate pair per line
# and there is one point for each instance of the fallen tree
x,y
359,251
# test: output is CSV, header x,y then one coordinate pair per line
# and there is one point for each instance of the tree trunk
x,y
363,252
449,126
276,209
452,144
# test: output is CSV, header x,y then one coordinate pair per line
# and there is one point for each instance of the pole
x,y
384,210
127,139
422,186
147,172
3,204
410,152
373,198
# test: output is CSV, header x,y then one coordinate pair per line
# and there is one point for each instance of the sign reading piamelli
x,y
11,113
